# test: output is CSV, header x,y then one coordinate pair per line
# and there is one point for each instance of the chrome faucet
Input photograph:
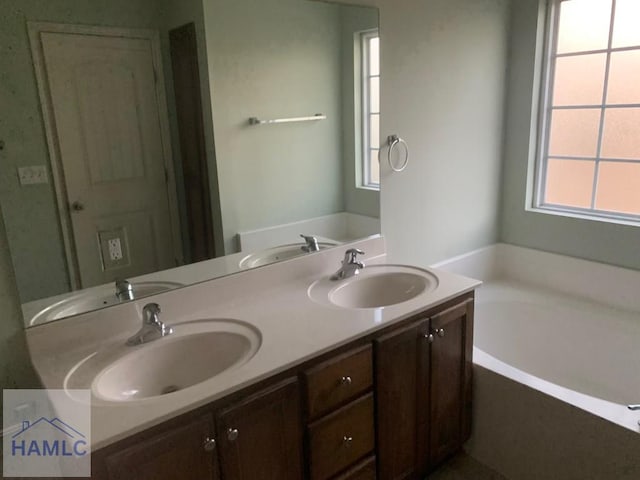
x,y
124,290
350,265
152,327
312,244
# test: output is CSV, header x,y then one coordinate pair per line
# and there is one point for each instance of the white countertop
x,y
272,298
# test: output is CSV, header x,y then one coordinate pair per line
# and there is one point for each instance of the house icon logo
x,y
46,433
48,438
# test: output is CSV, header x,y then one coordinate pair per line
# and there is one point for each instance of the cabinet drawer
x,y
338,380
342,438
365,470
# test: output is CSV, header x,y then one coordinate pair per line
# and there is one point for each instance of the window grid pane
x,y
370,99
591,157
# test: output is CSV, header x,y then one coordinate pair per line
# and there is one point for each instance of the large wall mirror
x,y
137,141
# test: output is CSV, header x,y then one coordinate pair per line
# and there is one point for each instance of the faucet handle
x,y
351,255
150,313
311,243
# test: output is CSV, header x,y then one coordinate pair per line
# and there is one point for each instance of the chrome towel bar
x,y
257,121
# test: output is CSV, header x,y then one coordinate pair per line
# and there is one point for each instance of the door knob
x,y
77,206
440,332
232,434
429,337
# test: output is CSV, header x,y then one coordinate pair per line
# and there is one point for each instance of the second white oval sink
x,y
277,254
375,287
96,298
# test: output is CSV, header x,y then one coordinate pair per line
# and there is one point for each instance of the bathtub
x,y
556,362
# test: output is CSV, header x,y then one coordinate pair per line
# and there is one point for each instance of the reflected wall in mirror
x,y
128,152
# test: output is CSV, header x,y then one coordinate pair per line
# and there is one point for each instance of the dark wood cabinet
x,y
261,436
396,359
450,386
391,405
185,452
423,392
257,437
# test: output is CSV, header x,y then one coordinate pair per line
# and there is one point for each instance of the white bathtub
x,y
557,361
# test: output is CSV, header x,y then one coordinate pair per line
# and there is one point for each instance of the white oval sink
x,y
197,351
375,286
96,298
277,254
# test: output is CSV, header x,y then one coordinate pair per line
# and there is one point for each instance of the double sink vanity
x,y
294,370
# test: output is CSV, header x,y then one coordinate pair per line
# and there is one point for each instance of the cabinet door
x,y
397,356
450,381
177,454
261,436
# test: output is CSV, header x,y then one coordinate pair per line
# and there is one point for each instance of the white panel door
x,y
107,123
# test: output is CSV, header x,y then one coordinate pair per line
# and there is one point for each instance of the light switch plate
x,y
33,175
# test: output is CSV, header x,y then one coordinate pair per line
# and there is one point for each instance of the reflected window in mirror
x,y
369,45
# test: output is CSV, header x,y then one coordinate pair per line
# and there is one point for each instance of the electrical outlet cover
x,y
114,248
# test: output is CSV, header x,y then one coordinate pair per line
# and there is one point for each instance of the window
x,y
370,100
589,155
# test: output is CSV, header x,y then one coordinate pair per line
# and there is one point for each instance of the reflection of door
x,y
108,126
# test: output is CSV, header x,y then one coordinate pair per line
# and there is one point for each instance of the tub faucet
x,y
152,327
312,244
350,265
124,290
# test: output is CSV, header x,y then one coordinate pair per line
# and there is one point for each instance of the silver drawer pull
x,y
232,434
209,444
346,380
347,441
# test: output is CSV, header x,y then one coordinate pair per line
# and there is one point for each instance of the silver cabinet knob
x,y
347,441
440,332
346,380
77,206
429,336
209,444
232,434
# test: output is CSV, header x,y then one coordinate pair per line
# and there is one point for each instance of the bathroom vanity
x,y
335,389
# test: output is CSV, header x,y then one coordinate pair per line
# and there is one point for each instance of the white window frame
x,y
365,107
545,111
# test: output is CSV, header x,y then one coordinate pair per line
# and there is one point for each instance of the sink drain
x,y
169,389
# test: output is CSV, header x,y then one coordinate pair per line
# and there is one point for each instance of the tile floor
x,y
463,467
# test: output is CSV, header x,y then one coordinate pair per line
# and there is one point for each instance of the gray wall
x,y
357,200
600,241
282,60
443,78
15,368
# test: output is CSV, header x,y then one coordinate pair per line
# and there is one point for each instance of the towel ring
x,y
393,141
